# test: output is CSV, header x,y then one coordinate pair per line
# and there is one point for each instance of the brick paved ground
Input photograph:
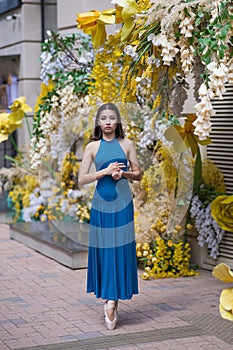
x,y
43,302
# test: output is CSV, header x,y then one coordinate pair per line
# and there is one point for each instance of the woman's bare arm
x,y
135,171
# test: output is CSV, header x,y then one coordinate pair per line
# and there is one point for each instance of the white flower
x,y
153,60
74,194
169,49
186,27
155,39
202,90
218,78
43,217
230,71
204,111
186,56
131,51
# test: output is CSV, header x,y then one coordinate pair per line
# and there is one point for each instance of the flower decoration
x,y
204,111
218,78
169,49
208,230
186,25
9,122
93,22
230,71
19,104
187,138
63,92
186,56
222,212
224,274
164,258
125,12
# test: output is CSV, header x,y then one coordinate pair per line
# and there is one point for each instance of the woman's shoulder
x,y
93,144
126,142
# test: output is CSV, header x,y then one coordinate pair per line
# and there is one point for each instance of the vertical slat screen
x,y
221,153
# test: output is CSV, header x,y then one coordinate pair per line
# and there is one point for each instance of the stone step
x,y
63,241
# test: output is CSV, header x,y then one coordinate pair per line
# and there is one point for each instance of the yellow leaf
x,y
129,9
16,117
106,19
225,314
192,143
223,273
87,18
99,35
127,28
205,142
3,137
172,134
226,299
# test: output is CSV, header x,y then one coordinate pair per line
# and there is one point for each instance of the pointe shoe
x,y
111,304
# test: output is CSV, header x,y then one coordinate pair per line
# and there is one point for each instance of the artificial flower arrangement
x,y
47,188
162,42
158,46
65,72
54,198
150,55
161,202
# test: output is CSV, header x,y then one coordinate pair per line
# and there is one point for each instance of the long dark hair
x,y
119,132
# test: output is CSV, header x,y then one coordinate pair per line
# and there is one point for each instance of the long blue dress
x,y
112,263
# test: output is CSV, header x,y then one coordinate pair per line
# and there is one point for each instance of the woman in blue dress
x,y
112,264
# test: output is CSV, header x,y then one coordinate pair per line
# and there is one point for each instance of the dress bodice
x,y
108,189
109,152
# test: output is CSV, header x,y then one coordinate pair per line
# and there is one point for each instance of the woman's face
x,y
108,121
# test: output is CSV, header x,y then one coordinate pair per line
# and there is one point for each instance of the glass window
x,y
6,5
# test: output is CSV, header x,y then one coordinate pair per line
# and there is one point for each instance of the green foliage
x,y
71,59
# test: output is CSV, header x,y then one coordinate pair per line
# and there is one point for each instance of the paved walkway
x,y
43,305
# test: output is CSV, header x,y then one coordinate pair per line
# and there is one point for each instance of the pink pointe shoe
x,y
111,305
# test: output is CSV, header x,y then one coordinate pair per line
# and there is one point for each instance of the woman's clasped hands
x,y
115,170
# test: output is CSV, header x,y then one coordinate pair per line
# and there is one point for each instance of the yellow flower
x,y
224,274
222,211
170,243
93,22
20,104
187,138
9,122
44,90
126,9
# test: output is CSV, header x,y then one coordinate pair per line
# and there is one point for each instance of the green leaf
x,y
198,21
197,171
200,13
221,53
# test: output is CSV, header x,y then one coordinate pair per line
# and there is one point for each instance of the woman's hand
x,y
117,175
114,168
